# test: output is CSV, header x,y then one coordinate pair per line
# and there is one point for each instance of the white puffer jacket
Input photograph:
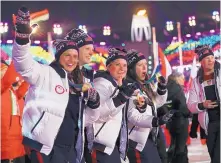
x,y
46,100
197,95
140,124
108,126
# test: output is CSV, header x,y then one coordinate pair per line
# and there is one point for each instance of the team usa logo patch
x,y
59,89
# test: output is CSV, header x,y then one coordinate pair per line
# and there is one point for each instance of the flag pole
x,y
50,48
155,55
155,51
180,48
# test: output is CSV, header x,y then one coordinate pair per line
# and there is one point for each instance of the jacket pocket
x,y
37,122
46,128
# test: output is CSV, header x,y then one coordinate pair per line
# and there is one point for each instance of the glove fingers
x,y
92,94
162,79
22,22
23,12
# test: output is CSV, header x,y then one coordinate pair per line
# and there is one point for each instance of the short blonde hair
x,y
175,75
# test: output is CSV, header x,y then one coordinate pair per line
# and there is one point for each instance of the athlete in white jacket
x,y
142,111
55,113
111,127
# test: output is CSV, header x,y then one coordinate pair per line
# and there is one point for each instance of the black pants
x,y
194,127
213,141
161,146
59,154
87,155
101,157
148,155
177,151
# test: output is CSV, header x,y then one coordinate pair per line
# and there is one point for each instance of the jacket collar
x,y
106,75
57,67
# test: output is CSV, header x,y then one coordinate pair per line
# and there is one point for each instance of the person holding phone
x,y
204,99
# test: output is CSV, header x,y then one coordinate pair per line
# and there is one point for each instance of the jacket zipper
x,y
125,116
100,129
126,130
131,130
38,122
81,121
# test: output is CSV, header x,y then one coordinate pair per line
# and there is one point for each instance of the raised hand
x,y
161,89
23,27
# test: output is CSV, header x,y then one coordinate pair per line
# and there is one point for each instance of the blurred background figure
x,y
13,90
178,126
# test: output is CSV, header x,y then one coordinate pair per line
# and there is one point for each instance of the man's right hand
x,y
208,104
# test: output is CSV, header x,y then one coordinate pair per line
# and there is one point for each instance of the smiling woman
x,y
52,108
66,54
69,59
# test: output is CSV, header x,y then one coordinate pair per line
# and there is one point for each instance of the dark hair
x,y
149,91
77,75
131,75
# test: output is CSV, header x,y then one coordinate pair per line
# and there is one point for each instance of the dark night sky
x,y
96,14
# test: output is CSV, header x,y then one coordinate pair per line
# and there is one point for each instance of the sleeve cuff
x,y
143,108
119,100
155,122
22,41
200,106
162,85
161,91
93,105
